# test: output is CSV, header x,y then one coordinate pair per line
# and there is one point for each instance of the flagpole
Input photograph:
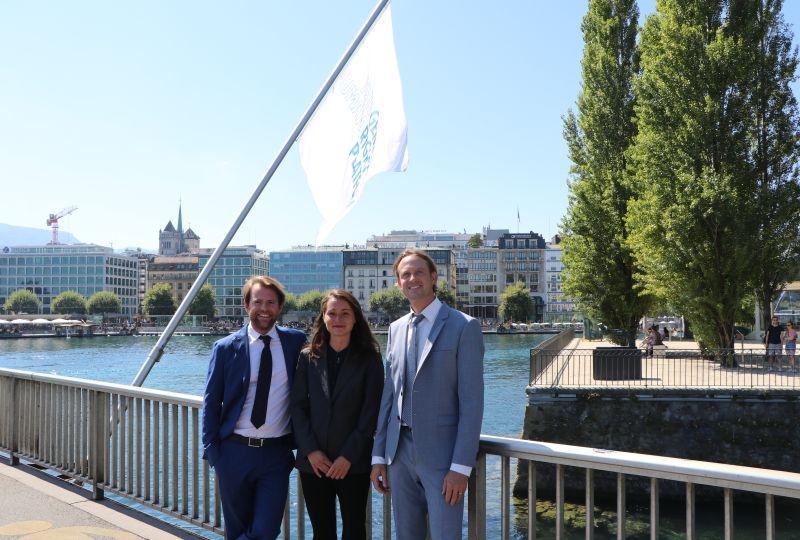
x,y
158,348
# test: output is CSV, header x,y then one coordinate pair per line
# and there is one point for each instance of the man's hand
x,y
455,484
380,478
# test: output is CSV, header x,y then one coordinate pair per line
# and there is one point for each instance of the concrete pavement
x,y
38,506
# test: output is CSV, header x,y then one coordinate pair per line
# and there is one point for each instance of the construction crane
x,y
52,221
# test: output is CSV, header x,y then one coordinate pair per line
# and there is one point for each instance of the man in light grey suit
x,y
432,406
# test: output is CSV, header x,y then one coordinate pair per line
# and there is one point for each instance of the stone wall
x,y
743,428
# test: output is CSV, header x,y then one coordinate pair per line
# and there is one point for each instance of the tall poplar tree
x,y
773,132
601,270
705,210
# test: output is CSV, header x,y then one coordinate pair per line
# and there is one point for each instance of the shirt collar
x,y
255,336
432,310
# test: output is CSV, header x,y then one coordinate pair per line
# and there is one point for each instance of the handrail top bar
x,y
115,388
765,480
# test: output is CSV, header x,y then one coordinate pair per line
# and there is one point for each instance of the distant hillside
x,y
11,235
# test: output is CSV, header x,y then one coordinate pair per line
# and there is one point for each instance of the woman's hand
x,y
319,463
339,469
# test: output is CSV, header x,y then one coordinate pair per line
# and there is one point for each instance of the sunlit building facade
x,y
49,270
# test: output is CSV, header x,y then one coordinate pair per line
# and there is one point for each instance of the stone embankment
x,y
751,419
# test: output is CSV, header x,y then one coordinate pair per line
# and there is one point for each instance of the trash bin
x,y
616,363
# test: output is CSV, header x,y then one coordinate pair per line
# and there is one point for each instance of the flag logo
x,y
359,130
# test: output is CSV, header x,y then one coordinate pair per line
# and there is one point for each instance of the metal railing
x,y
666,368
143,445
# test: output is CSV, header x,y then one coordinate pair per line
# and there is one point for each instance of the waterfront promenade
x,y
38,506
677,366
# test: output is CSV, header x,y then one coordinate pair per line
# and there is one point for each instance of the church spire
x,y
181,240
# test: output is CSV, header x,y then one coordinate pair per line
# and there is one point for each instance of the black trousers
x,y
320,495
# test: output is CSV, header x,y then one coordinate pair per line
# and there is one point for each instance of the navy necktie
x,y
412,358
259,414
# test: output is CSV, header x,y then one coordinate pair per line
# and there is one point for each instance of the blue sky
x,y
126,110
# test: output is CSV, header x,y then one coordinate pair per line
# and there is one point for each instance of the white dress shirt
x,y
277,423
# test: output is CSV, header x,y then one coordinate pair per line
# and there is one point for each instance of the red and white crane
x,y
52,221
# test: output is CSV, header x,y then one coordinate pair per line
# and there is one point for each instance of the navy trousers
x,y
253,485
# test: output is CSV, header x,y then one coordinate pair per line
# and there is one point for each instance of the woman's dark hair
x,y
362,341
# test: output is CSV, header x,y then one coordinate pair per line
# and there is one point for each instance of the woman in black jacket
x,y
334,404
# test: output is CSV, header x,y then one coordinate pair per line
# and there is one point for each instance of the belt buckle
x,y
253,442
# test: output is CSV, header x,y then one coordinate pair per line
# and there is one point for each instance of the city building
x,y
49,270
458,242
142,258
521,260
483,282
369,269
558,307
236,265
172,241
179,272
304,269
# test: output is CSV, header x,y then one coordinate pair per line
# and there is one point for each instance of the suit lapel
x,y
242,352
438,324
320,368
286,346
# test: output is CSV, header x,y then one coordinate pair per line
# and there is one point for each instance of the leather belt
x,y
255,442
405,428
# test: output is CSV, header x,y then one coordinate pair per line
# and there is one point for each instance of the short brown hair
x,y
264,281
422,255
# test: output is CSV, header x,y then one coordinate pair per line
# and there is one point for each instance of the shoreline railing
x,y
143,446
673,368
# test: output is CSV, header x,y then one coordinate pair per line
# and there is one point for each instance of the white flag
x,y
359,129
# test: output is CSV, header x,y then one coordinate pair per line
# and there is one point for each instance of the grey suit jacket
x,y
447,408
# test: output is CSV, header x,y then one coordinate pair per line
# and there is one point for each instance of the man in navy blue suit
x,y
247,435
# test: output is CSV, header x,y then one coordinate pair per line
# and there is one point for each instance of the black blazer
x,y
342,422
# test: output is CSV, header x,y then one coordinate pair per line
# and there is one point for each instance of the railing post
x,y
476,500
98,437
13,424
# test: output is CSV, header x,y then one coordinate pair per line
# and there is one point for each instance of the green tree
x,y
104,302
22,301
698,225
204,302
158,300
773,132
69,302
389,302
445,293
516,303
310,301
475,241
290,303
600,267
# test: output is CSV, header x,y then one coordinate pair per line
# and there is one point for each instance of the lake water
x,y
183,365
